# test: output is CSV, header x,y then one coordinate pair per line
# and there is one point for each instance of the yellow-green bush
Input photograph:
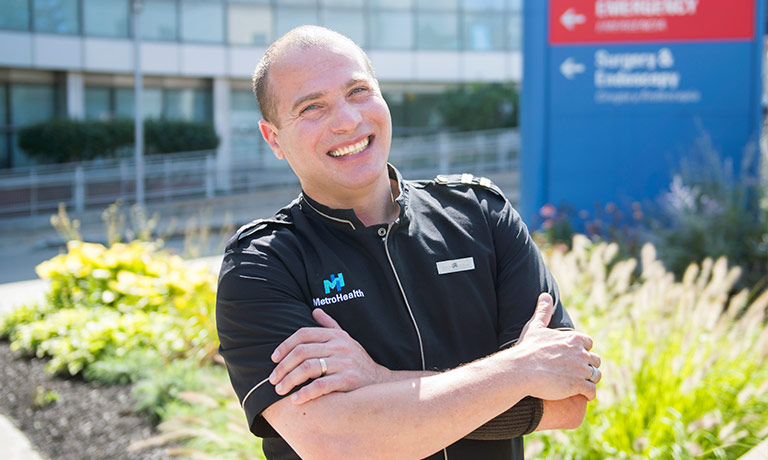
x,y
105,302
684,363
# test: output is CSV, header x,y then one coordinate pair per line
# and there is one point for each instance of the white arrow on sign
x,y
569,68
570,19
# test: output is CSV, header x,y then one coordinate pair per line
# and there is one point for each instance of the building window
x,y
391,30
30,104
190,104
249,24
437,5
515,32
515,5
343,3
14,14
158,20
106,18
187,104
151,103
97,104
289,18
350,23
437,31
483,32
483,5
403,4
202,21
57,16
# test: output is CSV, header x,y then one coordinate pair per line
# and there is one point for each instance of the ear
x,y
269,133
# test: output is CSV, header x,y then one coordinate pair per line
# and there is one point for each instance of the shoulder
x,y
462,187
281,223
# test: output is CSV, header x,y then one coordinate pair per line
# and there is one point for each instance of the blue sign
x,y
614,96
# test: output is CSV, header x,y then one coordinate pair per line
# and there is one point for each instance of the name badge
x,y
456,265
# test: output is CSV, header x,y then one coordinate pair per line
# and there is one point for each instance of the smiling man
x,y
433,340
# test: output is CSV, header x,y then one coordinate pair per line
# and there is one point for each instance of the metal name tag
x,y
455,265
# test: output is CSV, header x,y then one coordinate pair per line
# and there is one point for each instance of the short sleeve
x,y
521,276
259,304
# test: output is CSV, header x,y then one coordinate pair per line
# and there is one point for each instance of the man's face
x,y
335,128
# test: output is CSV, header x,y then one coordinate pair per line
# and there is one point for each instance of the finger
x,y
301,353
307,370
594,359
324,319
303,335
544,310
317,388
589,390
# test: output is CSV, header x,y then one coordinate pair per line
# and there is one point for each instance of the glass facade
x,y
391,30
202,21
287,18
29,104
475,25
349,22
57,16
249,24
191,104
14,14
106,18
437,31
158,20
483,32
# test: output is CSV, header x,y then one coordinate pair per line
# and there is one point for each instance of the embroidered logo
x,y
336,281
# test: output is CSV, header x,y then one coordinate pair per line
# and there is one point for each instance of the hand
x,y
348,364
558,362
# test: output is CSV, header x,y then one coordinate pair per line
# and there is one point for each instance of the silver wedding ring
x,y
592,378
324,367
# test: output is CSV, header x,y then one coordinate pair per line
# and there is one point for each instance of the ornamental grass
x,y
685,373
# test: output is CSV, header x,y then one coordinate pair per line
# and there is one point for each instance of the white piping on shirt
x,y
330,217
252,390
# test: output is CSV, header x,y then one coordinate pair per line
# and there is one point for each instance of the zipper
x,y
408,306
402,292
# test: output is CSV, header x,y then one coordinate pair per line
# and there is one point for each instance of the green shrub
x,y
63,140
712,209
684,364
479,106
168,136
106,302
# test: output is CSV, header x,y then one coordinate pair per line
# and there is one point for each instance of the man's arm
x,y
349,367
415,417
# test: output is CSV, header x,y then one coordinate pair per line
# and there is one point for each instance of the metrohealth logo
x,y
336,282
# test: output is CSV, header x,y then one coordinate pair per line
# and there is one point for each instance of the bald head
x,y
298,39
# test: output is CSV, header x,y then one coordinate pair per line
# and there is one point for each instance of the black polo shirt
x,y
453,279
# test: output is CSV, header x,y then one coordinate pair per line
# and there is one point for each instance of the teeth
x,y
350,149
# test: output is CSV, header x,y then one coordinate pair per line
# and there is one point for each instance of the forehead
x,y
299,72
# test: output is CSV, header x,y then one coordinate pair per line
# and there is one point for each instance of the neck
x,y
374,205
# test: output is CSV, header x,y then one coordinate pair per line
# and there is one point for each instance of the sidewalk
x,y
28,240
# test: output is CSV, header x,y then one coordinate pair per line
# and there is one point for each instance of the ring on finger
x,y
593,378
323,367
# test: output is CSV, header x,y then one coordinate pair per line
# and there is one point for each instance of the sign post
x,y
616,93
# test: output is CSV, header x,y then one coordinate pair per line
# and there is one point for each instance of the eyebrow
x,y
318,94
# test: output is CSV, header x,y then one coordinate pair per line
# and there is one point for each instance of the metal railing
x,y
34,190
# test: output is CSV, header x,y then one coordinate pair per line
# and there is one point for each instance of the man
x,y
419,284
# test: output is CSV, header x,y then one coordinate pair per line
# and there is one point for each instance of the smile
x,y
351,149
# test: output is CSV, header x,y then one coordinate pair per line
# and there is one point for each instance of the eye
x,y
309,107
357,90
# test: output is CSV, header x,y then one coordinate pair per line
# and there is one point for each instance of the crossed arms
x,y
361,409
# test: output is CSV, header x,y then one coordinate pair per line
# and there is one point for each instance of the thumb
x,y
324,319
544,310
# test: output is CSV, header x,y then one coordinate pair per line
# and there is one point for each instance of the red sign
x,y
622,21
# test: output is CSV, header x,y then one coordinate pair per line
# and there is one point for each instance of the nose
x,y
346,118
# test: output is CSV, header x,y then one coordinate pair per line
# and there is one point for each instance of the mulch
x,y
89,420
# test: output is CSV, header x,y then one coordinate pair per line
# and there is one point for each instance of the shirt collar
x,y
347,217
